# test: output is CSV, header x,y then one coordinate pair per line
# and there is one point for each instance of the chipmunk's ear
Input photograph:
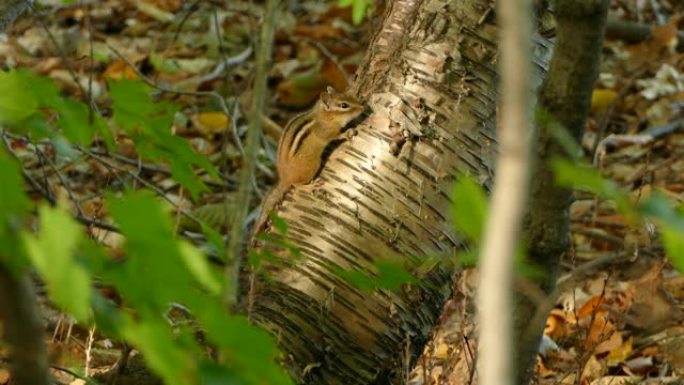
x,y
330,90
326,99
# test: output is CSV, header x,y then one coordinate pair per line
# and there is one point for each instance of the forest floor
x,y
620,314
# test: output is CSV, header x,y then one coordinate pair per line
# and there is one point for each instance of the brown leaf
x,y
592,370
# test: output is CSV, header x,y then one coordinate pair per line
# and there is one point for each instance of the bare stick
x,y
237,233
495,300
48,195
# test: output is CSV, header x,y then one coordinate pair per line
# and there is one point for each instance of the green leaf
x,y
468,258
279,224
250,351
469,208
212,373
52,253
131,104
215,241
392,275
584,176
357,278
660,208
149,124
359,10
560,134
13,205
197,264
673,240
154,273
13,201
17,100
36,126
46,91
161,64
73,118
162,352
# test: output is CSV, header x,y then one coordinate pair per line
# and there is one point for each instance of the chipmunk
x,y
303,141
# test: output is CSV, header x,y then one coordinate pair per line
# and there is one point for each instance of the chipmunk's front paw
x,y
348,134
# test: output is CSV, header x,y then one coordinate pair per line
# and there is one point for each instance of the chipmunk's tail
x,y
271,200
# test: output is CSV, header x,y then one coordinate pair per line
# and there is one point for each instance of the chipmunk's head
x,y
341,107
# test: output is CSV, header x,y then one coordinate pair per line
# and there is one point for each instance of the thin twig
x,y
220,68
263,56
645,137
67,63
45,193
193,7
148,81
230,182
138,178
605,119
62,180
89,349
328,55
592,265
219,98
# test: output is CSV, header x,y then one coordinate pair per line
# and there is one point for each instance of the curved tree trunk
x,y
430,73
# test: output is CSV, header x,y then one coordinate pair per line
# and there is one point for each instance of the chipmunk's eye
x,y
344,105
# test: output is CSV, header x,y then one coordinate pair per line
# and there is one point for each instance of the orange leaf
x,y
590,306
600,330
118,70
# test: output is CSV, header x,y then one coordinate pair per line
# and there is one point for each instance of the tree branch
x,y
564,99
23,330
235,247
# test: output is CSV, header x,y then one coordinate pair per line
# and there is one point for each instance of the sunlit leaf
x,y
17,100
73,118
251,351
469,208
154,273
52,253
583,176
658,207
149,124
13,204
673,240
392,275
197,263
161,351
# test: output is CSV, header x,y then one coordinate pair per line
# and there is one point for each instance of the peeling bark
x,y
430,74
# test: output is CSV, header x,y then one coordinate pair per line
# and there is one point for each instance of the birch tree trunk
x,y
430,74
